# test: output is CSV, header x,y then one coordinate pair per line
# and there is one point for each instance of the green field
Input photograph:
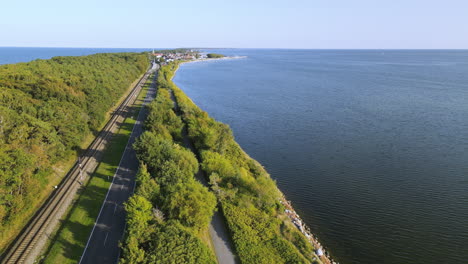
x,y
70,240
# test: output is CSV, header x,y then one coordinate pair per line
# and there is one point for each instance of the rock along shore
x,y
297,221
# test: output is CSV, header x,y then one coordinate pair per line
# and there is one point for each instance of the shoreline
x,y
223,58
320,250
305,230
213,59
200,60
207,59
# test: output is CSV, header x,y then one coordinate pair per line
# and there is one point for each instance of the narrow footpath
x,y
108,231
219,233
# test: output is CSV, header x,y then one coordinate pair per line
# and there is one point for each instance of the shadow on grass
x,y
72,233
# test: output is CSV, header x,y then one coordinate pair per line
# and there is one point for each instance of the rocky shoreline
x,y
320,251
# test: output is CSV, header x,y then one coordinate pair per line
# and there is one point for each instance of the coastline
x,y
207,59
223,58
294,217
325,256
201,60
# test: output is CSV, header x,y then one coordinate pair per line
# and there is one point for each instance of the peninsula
x,y
162,180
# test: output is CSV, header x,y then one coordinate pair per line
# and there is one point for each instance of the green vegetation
x,y
214,55
249,198
68,244
170,210
47,109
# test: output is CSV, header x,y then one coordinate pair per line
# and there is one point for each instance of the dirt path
x,y
220,237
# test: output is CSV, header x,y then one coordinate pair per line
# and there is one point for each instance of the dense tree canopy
x,y
47,108
214,55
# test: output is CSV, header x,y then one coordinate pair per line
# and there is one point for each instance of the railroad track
x,y
21,248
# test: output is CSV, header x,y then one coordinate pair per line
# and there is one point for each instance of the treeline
x,y
170,210
47,108
214,55
249,198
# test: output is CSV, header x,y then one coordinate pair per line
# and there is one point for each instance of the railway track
x,y
20,250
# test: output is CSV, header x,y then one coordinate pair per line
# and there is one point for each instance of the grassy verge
x,y
69,242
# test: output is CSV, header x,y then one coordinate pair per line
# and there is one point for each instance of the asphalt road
x,y
103,244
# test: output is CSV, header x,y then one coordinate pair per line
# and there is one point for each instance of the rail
x,y
20,249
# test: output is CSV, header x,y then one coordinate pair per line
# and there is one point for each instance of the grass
x,y
68,244
206,238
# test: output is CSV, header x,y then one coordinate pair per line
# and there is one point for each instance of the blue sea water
x,y
10,55
371,146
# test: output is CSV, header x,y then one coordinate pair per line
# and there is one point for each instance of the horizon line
x,y
59,47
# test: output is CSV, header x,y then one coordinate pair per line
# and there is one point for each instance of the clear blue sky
x,y
240,23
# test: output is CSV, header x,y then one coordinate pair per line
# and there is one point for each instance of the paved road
x,y
103,244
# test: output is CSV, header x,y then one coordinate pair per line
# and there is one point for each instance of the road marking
x,y
134,185
106,238
110,187
121,186
115,208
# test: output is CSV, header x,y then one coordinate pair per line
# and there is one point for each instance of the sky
x,y
307,24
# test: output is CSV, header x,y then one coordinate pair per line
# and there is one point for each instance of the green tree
x,y
146,185
192,204
214,55
138,215
172,243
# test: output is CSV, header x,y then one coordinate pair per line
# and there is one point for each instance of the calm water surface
x,y
10,55
370,146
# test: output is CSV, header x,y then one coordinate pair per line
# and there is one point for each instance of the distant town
x,y
163,57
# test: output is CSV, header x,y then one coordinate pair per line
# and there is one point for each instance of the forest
x,y
47,109
214,55
170,210
247,196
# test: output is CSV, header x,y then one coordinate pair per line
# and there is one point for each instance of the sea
x,y
9,55
370,146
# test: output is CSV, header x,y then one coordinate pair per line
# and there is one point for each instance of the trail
x,y
219,233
